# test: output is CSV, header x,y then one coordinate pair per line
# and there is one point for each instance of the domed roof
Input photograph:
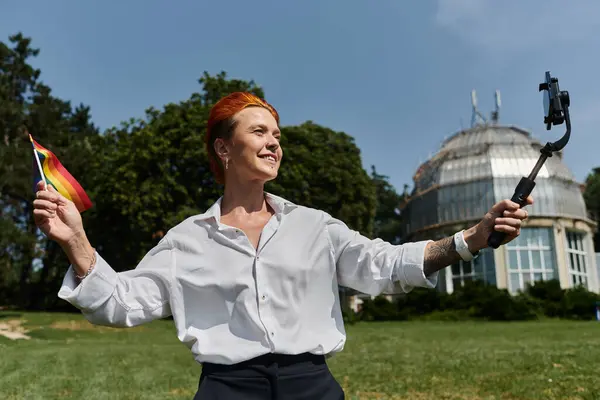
x,y
487,152
482,165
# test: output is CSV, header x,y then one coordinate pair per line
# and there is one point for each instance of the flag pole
x,y
37,159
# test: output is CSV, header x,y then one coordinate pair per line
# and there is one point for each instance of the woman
x,y
252,283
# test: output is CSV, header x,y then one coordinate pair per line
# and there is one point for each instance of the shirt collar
x,y
280,205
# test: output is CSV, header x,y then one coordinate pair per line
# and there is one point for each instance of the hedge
x,y
480,301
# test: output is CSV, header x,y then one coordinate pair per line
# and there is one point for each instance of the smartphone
x,y
552,100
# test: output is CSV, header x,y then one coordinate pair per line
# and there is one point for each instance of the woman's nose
x,y
273,144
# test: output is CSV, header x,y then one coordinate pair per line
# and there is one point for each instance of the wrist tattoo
x,y
440,254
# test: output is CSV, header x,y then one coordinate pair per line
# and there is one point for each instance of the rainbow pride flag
x,y
57,176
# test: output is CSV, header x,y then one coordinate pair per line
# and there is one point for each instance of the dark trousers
x,y
270,377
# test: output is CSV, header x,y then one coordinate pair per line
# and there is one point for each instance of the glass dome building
x,y
480,166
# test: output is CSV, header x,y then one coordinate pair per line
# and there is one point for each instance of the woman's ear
x,y
221,149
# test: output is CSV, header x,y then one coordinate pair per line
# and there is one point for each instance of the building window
x,y
481,267
530,258
577,258
462,272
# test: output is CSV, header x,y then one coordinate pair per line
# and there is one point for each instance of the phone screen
x,y
546,94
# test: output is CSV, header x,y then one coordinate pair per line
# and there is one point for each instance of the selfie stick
x,y
556,107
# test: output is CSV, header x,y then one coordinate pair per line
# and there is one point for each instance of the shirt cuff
x,y
91,292
410,267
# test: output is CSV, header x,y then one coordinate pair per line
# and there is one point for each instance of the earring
x,y
226,163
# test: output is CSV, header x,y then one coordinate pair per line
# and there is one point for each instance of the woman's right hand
x,y
56,216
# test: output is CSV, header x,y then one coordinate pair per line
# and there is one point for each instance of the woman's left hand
x,y
505,216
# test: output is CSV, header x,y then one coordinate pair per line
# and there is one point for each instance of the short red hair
x,y
221,124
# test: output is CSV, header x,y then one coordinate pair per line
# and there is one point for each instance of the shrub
x,y
579,303
379,309
484,301
421,301
478,300
575,303
548,295
349,316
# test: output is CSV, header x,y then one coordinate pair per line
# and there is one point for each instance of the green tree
x,y
322,169
592,200
156,174
27,105
143,177
387,217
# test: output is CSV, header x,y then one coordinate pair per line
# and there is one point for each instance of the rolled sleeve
x,y
374,266
94,290
409,270
127,298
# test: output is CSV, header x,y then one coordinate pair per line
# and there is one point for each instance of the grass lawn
x,y
67,358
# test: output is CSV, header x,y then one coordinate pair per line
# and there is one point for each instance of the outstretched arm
x,y
505,216
104,296
375,266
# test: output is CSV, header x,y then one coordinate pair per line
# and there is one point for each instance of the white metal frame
x,y
464,277
577,258
545,270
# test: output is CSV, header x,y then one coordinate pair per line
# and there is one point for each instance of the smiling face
x,y
253,152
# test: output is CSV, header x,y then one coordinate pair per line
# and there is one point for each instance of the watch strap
x,y
461,246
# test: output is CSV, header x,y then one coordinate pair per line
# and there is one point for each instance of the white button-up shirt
x,y
231,302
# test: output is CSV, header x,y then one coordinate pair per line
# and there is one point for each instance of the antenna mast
x,y
496,112
476,117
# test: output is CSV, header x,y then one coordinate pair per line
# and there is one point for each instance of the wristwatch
x,y
461,247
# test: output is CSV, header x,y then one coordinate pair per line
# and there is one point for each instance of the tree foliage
x,y
592,200
323,169
27,105
154,173
151,172
387,224
146,175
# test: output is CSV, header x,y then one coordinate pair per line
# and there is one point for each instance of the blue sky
x,y
386,72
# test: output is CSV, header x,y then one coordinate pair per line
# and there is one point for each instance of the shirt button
x,y
264,297
272,333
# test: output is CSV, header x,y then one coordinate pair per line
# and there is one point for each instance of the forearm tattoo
x,y
440,254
